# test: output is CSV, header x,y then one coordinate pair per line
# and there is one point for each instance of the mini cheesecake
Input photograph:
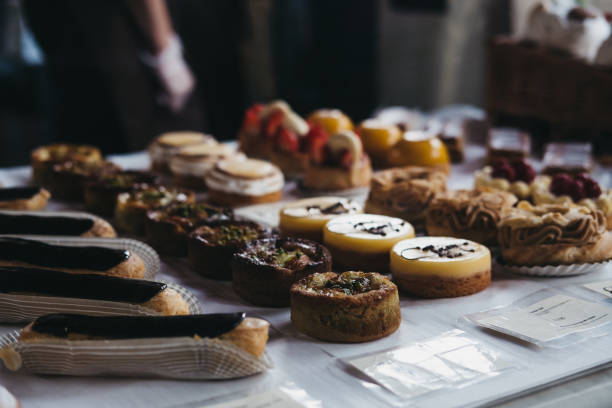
x,y
24,198
306,218
364,240
43,158
264,270
190,164
351,307
168,144
238,182
101,195
436,267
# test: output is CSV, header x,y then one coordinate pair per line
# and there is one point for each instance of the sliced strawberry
x,y
273,124
251,118
315,143
346,159
287,140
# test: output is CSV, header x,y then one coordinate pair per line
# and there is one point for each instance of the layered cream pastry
x,y
364,240
306,218
190,164
469,214
404,192
554,234
235,182
167,144
435,267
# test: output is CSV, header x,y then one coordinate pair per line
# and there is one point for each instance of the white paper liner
x,y
144,251
554,270
179,357
25,308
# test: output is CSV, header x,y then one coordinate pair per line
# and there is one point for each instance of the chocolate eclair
x,y
247,333
68,179
552,234
264,270
469,214
168,227
101,194
43,282
40,223
211,246
43,158
24,198
72,259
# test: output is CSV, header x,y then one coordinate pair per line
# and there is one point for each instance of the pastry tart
x,y
469,214
68,179
554,234
578,189
168,144
101,195
167,228
436,267
44,223
274,132
131,208
211,247
378,138
72,259
344,165
306,218
239,182
364,240
155,297
514,176
419,148
404,192
264,270
351,307
190,164
23,198
43,158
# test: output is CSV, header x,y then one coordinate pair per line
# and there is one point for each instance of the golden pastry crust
x,y
346,315
554,234
168,302
337,178
404,192
101,228
470,214
37,202
43,158
433,287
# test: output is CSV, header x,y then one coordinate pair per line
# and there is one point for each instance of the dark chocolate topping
x,y
444,251
44,225
86,286
39,253
18,193
132,327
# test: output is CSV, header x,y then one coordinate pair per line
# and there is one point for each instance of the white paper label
x,y
550,319
270,399
603,287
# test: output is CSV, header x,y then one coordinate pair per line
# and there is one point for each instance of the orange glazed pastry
x,y
378,139
419,148
331,120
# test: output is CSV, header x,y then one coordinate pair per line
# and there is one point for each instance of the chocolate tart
x,y
43,158
101,195
211,247
264,270
167,228
68,179
24,198
131,208
351,307
57,224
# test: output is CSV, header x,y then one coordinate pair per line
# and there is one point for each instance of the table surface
x,y
579,375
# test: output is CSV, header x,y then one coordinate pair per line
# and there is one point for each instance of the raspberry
x,y
560,184
316,139
582,177
591,188
576,190
274,122
251,118
287,140
504,171
523,170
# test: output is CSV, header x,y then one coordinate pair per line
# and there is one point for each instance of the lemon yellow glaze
x,y
408,260
350,232
331,120
417,148
378,137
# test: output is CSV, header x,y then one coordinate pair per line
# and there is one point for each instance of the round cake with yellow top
x,y
331,120
306,218
419,148
436,267
364,240
378,139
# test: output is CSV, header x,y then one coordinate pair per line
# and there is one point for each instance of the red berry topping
x,y
582,177
504,171
251,118
288,140
576,190
524,171
315,143
591,188
560,184
273,124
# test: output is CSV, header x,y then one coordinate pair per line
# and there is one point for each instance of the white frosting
x,y
229,176
312,207
199,159
549,25
168,144
417,249
357,226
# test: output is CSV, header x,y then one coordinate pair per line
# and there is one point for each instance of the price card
x,y
603,287
270,399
